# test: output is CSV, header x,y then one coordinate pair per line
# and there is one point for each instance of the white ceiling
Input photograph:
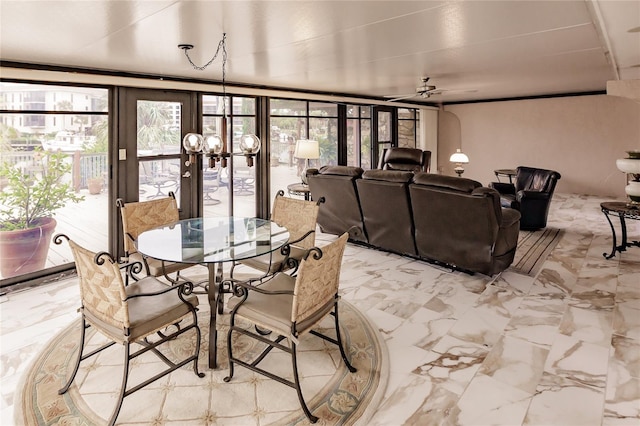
x,y
476,49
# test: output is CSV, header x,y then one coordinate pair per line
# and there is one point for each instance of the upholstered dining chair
x,y
130,314
300,218
141,216
290,307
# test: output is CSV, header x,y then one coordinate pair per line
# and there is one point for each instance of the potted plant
x,y
32,194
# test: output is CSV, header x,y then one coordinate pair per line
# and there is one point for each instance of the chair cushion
x,y
147,314
273,311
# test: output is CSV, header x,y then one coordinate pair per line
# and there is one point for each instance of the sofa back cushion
x,y
340,211
386,210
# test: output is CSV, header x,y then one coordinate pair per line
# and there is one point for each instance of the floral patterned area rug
x,y
333,394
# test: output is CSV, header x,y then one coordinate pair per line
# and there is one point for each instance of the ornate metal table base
x,y
623,211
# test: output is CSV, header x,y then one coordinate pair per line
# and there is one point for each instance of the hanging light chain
x,y
221,44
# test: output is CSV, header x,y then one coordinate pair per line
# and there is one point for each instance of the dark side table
x,y
623,211
510,173
299,189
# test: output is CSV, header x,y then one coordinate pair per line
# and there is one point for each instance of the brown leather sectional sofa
x,y
442,219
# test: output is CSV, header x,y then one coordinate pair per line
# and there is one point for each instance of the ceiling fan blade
x,y
445,91
400,97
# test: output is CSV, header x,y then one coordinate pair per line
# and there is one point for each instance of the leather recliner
x,y
340,211
461,223
405,159
530,194
386,210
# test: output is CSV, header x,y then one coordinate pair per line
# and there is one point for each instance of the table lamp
x,y
459,158
307,150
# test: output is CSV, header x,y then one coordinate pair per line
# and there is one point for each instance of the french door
x,y
151,162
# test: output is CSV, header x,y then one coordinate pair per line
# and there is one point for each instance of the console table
x,y
623,211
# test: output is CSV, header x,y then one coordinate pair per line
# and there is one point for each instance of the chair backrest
x,y
101,287
405,159
141,216
534,179
298,216
317,281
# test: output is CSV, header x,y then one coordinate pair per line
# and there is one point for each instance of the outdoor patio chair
x,y
129,314
299,217
290,307
141,216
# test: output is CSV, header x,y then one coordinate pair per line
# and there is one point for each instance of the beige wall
x,y
581,137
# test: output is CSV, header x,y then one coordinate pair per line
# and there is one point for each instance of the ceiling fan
x,y
425,91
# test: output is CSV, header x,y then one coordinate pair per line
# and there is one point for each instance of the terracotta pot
x,y
25,250
94,186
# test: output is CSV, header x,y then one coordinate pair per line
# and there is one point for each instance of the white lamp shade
x,y
192,142
628,165
307,149
459,157
212,144
249,144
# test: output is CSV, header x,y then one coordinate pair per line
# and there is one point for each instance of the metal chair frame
x,y
242,289
182,289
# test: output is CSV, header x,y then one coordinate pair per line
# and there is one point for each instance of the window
x,y
241,120
359,136
43,118
408,128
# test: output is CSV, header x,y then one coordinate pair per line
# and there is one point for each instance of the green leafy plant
x,y
35,190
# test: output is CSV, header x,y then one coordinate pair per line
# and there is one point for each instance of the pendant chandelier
x,y
215,146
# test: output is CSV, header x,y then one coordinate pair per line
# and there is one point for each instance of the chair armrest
x,y
503,187
167,289
289,243
532,195
246,285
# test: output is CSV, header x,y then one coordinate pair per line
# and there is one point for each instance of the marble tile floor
x,y
561,348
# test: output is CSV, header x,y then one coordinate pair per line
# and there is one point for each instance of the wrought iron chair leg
x,y
339,339
83,328
125,376
198,339
229,349
294,362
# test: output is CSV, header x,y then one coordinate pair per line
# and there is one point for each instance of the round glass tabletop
x,y
212,239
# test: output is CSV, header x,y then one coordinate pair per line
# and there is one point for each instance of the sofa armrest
x,y
503,187
509,217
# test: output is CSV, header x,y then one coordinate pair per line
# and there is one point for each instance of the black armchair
x,y
405,159
530,194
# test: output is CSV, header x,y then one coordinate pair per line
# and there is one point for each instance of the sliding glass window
x,y
54,178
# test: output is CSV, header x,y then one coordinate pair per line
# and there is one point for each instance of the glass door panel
x,y
158,145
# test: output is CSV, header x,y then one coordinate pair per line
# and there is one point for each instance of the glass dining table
x,y
212,241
